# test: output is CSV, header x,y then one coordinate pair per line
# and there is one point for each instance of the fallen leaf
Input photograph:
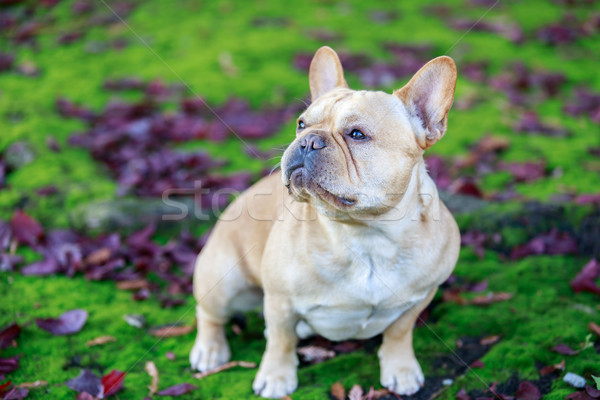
x,y
68,323
528,391
26,229
100,340
592,326
135,284
463,395
585,280
16,393
338,391
8,335
170,331
489,340
153,372
9,364
112,382
85,396
88,382
226,366
562,348
355,393
177,390
99,256
135,320
551,368
491,298
33,385
592,391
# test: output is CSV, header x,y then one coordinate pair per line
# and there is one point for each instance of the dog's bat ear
x,y
325,72
428,97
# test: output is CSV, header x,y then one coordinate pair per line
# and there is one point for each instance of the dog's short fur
x,y
357,247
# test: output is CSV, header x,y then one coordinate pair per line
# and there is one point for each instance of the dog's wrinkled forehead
x,y
342,107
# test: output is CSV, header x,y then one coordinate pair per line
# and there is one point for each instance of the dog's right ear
x,y
325,72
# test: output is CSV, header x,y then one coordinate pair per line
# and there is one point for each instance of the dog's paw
x,y
275,383
405,379
207,356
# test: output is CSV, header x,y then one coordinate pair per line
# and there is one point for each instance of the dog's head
x,y
354,151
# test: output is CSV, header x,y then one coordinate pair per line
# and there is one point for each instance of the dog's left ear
x,y
325,72
428,97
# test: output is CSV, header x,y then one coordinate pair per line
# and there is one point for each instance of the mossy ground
x,y
189,37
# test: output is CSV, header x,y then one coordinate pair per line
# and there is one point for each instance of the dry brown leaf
x,y
135,284
99,256
338,391
592,326
153,372
551,368
101,340
488,340
169,331
32,385
355,393
226,366
491,298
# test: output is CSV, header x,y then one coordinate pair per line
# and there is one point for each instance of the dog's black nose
x,y
311,142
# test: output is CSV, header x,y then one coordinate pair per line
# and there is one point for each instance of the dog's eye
x,y
301,124
357,135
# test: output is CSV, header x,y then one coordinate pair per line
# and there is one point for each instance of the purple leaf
x,y
177,390
562,348
16,394
68,323
48,266
87,382
8,334
585,280
9,364
528,391
26,229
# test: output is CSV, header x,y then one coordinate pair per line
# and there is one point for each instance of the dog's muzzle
x,y
301,156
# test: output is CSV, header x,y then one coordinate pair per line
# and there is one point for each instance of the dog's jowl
x,y
349,240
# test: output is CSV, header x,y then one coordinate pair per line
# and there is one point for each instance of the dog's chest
x,y
366,293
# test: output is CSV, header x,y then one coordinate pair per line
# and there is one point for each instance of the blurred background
x,y
108,106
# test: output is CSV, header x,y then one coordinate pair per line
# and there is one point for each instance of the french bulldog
x,y
348,241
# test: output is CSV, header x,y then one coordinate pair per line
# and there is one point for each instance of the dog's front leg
x,y
400,370
276,376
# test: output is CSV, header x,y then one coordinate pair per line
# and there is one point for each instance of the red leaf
x,y
4,386
562,348
26,229
9,334
528,391
585,280
68,323
177,390
113,382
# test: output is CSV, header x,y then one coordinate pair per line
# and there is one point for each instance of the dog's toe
x,y
205,357
275,385
403,380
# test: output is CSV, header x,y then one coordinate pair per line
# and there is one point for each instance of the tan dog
x,y
359,245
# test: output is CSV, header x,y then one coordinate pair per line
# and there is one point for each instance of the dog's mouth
x,y
301,181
